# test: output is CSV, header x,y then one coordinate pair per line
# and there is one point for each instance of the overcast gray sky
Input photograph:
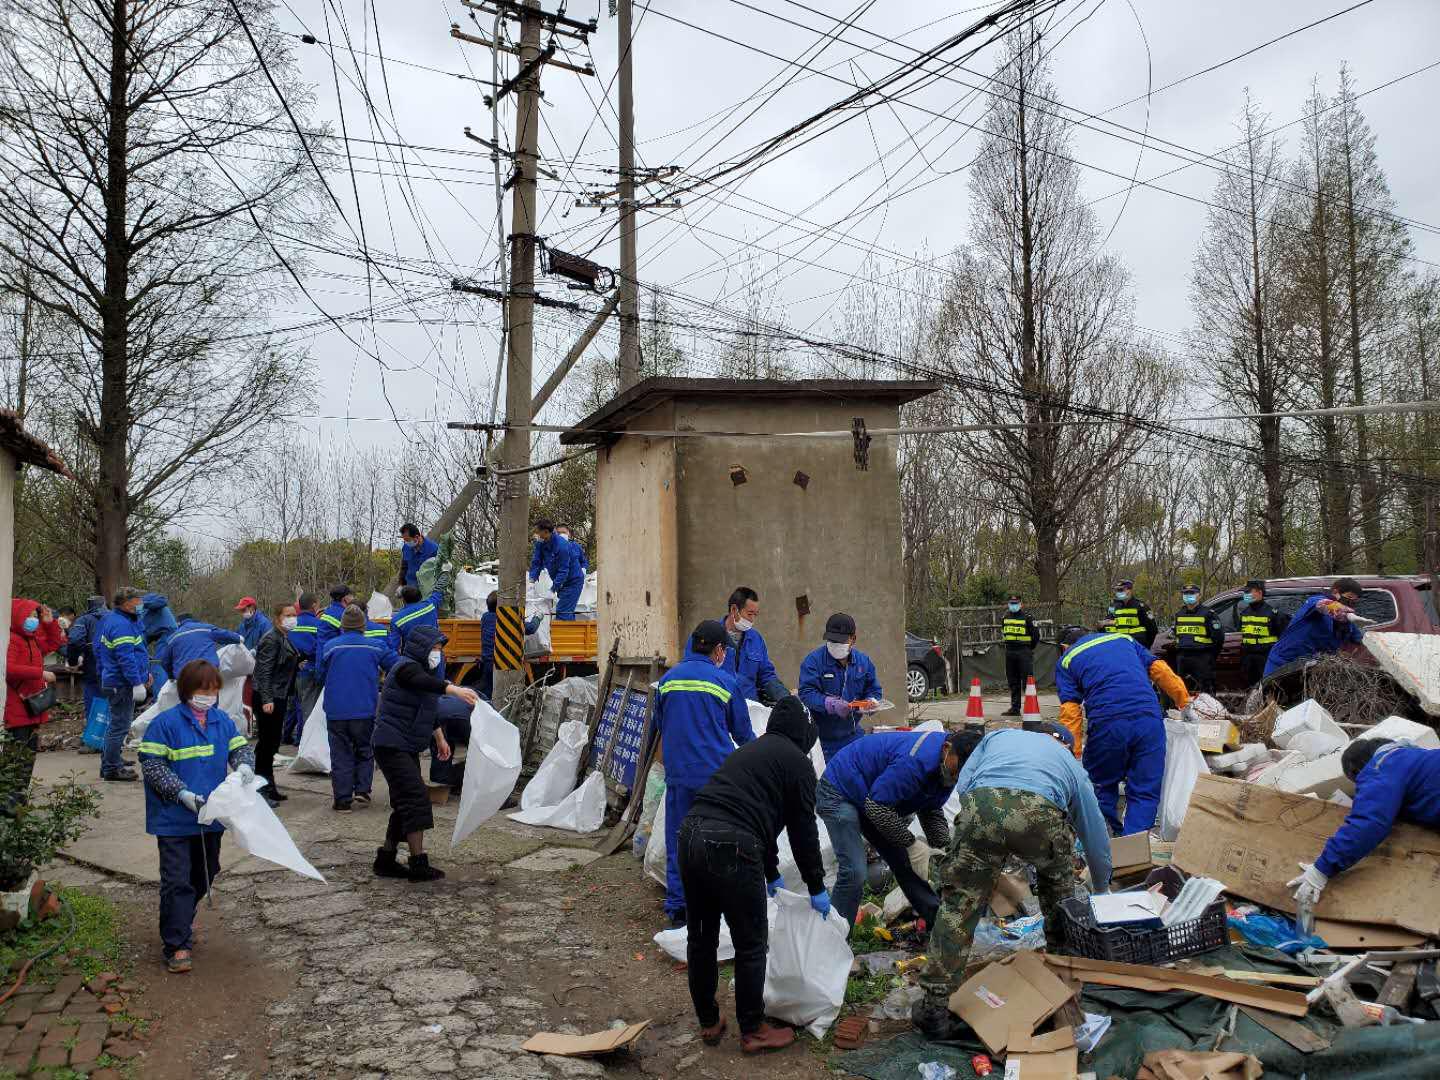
x,y
687,83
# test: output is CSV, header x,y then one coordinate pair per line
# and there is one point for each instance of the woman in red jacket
x,y
33,633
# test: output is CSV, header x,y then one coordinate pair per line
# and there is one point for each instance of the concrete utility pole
x,y
629,257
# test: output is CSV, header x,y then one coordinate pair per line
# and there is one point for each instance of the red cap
x,y
246,601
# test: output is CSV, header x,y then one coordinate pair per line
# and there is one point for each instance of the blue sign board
x,y
625,757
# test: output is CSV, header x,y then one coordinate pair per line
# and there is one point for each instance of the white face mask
x,y
436,658
838,649
204,702
742,624
290,622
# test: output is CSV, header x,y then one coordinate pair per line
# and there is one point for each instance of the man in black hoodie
x,y
730,862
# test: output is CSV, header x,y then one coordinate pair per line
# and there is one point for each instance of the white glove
x,y
1188,714
1306,888
447,568
139,693
919,853
247,775
191,801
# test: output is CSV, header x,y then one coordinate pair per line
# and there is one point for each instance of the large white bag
x,y
236,664
379,608
251,823
555,778
492,765
471,591
1183,765
808,965
582,811
168,698
313,755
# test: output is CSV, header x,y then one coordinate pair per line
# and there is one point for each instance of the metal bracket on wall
x,y
862,443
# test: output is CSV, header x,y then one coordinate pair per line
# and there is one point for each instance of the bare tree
x,y
119,217
1036,326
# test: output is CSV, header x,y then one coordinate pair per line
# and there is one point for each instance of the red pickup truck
x,y
1401,603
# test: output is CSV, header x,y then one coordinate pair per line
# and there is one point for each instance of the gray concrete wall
x,y
7,554
836,541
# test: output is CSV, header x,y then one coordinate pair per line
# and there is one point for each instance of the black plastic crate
x,y
1153,946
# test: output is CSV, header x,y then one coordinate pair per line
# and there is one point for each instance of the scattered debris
x,y
599,1042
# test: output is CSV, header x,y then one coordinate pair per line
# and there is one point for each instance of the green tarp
x,y
989,665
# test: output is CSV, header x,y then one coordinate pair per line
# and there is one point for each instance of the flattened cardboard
x,y
1254,838
1018,992
1145,977
1347,935
1129,852
599,1042
1009,896
1052,1056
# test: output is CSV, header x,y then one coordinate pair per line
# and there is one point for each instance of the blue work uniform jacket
x,y
411,559
194,640
306,638
251,630
199,758
581,559
424,612
156,617
749,664
1400,783
487,636
121,655
896,768
822,676
350,665
558,556
1110,675
81,643
1312,632
702,718
328,624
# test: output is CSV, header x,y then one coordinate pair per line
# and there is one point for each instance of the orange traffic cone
x,y
975,709
1032,698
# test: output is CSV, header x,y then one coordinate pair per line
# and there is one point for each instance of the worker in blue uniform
x,y
747,659
193,640
159,623
1110,675
254,623
870,789
560,558
832,678
123,664
415,548
1394,781
580,556
701,718
82,638
487,646
341,597
418,610
1320,627
305,636
350,667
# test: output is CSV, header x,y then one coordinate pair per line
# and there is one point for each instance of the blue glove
x,y
775,886
821,903
837,706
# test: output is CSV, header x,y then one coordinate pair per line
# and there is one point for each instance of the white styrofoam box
x,y
1397,727
1240,761
1309,715
1314,744
1413,661
1321,777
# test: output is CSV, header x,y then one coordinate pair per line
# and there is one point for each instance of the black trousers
x,y
1252,664
268,727
722,868
1019,666
410,809
18,747
188,865
1197,668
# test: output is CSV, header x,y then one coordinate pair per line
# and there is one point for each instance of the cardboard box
x,y
599,1042
1145,977
1253,839
1217,733
1052,1056
1018,992
1130,853
1010,896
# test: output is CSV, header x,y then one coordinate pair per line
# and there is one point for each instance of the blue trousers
x,y
849,829
1132,750
352,757
188,864
567,598
122,712
678,799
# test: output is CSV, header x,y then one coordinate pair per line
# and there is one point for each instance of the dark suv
x,y
1404,604
925,667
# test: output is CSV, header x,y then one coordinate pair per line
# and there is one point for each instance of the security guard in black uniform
x,y
1260,627
1199,637
1129,615
1020,636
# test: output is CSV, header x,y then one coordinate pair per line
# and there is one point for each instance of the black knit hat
x,y
707,635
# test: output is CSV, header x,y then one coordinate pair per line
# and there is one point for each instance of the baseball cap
x,y
839,627
246,601
707,635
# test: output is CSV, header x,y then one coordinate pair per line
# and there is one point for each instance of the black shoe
x,y
419,869
937,1023
120,774
342,806
386,865
363,798
1011,712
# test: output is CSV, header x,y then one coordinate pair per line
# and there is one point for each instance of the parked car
x,y
925,666
1401,603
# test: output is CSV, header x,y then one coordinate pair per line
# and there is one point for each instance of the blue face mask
x,y
1191,599
1014,608
1121,595
1244,601
31,624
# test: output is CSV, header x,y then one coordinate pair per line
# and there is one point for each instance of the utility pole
x,y
629,256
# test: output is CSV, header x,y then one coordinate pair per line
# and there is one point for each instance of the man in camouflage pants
x,y
1022,794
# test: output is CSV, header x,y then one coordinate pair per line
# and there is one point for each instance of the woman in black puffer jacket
x,y
407,722
276,665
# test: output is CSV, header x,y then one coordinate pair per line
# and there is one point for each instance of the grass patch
x,y
866,989
93,947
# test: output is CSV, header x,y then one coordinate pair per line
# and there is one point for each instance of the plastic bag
x,y
313,755
1274,931
253,825
582,811
379,608
236,664
808,965
492,765
97,723
1183,765
654,864
471,591
555,778
168,698
995,940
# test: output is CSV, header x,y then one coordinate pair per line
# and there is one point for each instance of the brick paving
x,y
72,1024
